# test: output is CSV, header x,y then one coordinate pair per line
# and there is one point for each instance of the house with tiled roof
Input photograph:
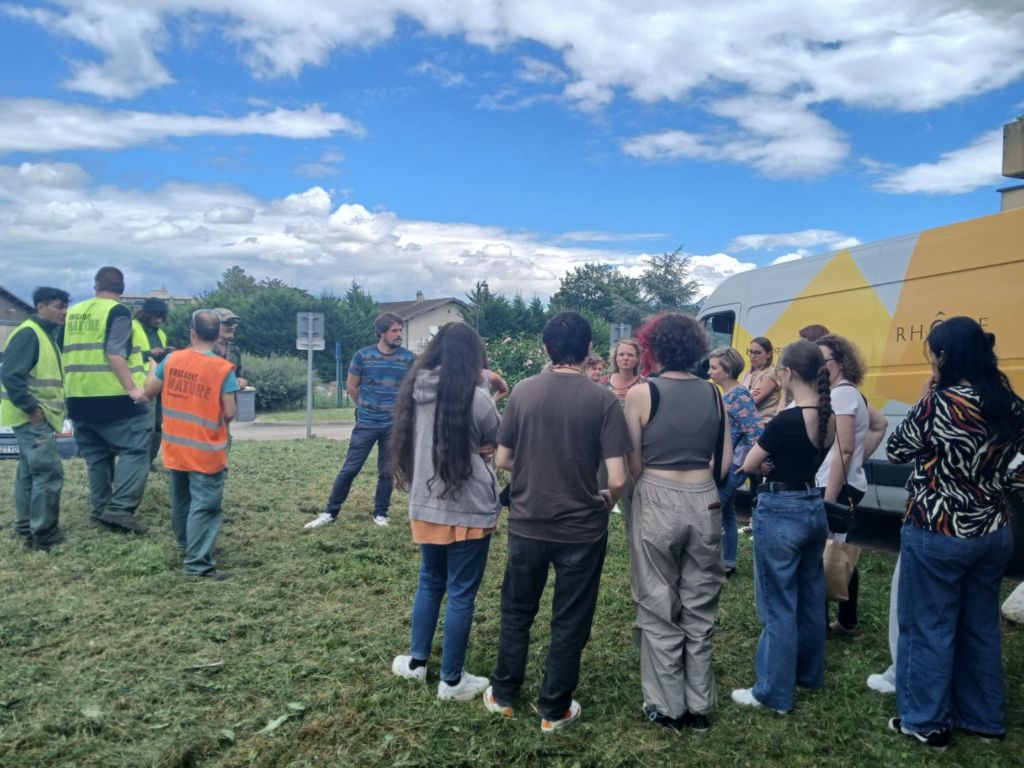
x,y
13,312
423,316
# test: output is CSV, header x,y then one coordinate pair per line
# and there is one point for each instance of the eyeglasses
x,y
829,359
755,352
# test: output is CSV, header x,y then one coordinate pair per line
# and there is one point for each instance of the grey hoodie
x,y
475,503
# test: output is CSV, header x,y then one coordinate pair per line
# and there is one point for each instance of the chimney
x,y
1013,164
419,297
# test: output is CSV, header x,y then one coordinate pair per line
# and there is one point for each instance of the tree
x,y
603,291
491,314
665,284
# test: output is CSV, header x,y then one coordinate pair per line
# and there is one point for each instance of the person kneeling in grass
x,y
444,433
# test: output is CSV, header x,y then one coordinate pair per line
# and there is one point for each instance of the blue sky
x,y
412,145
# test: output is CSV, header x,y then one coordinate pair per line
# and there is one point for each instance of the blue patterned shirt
x,y
744,424
380,376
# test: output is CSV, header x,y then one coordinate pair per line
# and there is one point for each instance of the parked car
x,y
66,444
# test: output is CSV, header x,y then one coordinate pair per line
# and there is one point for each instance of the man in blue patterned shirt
x,y
374,377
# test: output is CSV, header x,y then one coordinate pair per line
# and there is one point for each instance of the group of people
x,y
129,395
574,440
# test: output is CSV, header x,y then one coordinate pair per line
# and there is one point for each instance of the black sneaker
x,y
937,740
730,571
699,723
657,718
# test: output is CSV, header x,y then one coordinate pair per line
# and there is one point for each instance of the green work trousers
x,y
116,454
37,485
195,516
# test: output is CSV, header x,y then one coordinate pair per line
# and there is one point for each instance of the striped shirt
x,y
380,376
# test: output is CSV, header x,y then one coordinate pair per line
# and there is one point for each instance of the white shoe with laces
x,y
380,520
880,684
745,696
324,518
401,667
467,689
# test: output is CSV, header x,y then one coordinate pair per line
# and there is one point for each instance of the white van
x,y
885,297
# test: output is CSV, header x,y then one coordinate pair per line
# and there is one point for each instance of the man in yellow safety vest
x,y
32,402
103,377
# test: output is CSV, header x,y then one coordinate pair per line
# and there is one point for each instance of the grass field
x,y
320,415
109,656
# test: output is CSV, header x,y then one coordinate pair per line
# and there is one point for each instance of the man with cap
x,y
225,346
32,402
198,388
152,339
103,377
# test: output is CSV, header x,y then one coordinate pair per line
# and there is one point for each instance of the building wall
x,y
421,329
11,316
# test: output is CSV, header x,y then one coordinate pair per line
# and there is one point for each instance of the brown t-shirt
x,y
560,426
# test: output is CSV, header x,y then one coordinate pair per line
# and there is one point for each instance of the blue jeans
x,y
359,447
949,668
727,495
456,569
790,529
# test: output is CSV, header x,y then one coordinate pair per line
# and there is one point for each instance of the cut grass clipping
x,y
110,656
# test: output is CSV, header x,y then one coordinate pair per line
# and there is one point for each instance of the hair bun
x,y
990,339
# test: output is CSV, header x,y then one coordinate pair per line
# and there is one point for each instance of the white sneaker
x,y
400,666
380,520
467,689
745,696
880,684
492,705
324,518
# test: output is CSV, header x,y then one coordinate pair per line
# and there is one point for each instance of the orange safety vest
x,y
195,435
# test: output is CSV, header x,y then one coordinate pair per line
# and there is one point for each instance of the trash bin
x,y
245,404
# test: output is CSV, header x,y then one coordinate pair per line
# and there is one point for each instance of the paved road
x,y
256,430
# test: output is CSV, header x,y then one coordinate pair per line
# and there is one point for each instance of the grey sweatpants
x,y
676,576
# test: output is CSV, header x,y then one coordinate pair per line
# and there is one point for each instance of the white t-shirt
x,y
847,401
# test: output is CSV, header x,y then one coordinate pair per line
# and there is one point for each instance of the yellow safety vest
x,y
139,333
45,383
87,372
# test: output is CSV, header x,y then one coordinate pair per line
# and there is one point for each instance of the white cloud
x,y
782,60
184,236
804,239
228,214
979,164
328,165
440,74
776,137
795,256
534,70
39,125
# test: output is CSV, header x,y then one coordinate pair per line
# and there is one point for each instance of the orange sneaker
x,y
571,715
492,705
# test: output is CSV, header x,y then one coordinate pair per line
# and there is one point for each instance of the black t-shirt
x,y
795,457
560,427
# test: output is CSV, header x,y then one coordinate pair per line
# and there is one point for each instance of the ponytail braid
x,y
824,406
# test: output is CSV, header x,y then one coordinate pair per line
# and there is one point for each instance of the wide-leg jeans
x,y
790,529
949,666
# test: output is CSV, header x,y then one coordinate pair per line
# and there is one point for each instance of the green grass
x,y
320,415
109,656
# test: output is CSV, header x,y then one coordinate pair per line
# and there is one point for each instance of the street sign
x,y
308,343
309,324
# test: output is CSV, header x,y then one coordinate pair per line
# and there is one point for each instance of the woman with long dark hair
x,y
443,418
956,540
790,529
676,571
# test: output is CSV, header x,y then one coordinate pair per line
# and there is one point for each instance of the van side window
x,y
720,327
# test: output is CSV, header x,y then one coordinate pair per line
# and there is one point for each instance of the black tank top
x,y
683,430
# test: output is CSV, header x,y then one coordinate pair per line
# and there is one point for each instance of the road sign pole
x,y
309,383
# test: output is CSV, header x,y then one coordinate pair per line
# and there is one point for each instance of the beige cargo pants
x,y
676,577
